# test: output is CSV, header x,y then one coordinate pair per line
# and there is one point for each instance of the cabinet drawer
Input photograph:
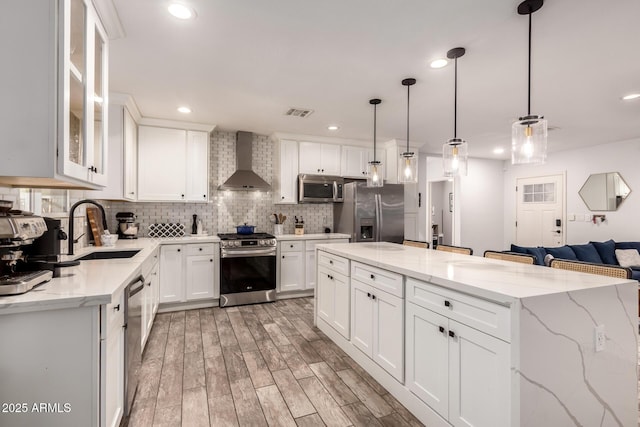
x,y
334,262
291,246
378,278
485,316
203,249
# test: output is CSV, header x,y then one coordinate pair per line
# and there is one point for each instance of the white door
x,y
479,378
200,271
288,171
130,135
330,154
428,357
388,333
198,165
354,162
171,277
158,150
291,271
362,317
310,157
540,216
325,293
341,304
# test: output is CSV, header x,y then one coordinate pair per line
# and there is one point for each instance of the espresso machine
x,y
127,226
18,230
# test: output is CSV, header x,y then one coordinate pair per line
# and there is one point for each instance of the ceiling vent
x,y
298,112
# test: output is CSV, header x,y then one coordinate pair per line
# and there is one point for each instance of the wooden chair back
x,y
509,256
455,249
424,245
593,268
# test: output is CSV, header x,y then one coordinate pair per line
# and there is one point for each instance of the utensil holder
x,y
278,229
299,229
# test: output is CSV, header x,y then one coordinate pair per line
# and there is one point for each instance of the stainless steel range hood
x,y
244,179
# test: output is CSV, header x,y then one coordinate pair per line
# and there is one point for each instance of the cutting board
x,y
95,222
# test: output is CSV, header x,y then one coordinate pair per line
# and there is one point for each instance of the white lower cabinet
x,y
377,326
291,266
460,372
113,367
188,273
333,296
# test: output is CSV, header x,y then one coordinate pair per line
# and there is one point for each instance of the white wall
x,y
622,157
478,203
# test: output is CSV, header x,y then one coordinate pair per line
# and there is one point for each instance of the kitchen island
x,y
464,340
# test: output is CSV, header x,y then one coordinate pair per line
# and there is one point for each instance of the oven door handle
x,y
246,253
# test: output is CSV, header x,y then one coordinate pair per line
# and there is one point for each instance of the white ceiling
x,y
242,64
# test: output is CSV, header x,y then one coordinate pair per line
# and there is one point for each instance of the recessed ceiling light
x,y
181,11
631,96
333,127
498,150
184,110
438,63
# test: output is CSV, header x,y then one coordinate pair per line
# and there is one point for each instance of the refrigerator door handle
x,y
378,200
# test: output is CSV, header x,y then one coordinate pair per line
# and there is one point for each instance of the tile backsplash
x,y
226,209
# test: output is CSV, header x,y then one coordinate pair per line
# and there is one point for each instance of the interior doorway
x,y
441,212
540,211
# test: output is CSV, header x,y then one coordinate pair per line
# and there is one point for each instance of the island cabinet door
x,y
427,343
200,275
325,292
171,273
362,317
479,393
341,304
388,333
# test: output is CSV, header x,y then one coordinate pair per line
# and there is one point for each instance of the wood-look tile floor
x,y
256,365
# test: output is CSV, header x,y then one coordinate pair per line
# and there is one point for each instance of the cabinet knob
x,y
322,170
116,308
318,170
178,250
282,256
441,329
373,277
204,196
182,195
211,260
200,249
290,246
368,294
149,284
447,304
452,334
330,261
282,197
373,297
132,193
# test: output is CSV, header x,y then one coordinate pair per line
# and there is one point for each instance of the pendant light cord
x,y
455,99
408,87
375,108
529,77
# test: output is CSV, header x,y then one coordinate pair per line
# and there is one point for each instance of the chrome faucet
x,y
72,210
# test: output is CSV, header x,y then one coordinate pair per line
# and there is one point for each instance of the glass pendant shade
x,y
375,174
408,167
529,140
454,157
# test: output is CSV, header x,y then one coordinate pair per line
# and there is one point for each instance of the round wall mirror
x,y
604,191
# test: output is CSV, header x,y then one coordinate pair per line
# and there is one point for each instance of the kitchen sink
x,y
108,255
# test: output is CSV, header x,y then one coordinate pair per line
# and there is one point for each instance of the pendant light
x,y
529,133
375,170
408,162
454,151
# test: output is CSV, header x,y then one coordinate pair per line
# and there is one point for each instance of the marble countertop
x,y
313,236
500,281
93,282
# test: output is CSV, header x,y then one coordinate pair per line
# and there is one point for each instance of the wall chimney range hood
x,y
244,179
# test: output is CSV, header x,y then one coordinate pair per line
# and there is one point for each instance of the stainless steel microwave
x,y
319,188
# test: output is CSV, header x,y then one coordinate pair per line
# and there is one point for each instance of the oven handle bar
x,y
224,253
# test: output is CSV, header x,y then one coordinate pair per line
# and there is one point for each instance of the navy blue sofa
x,y
596,252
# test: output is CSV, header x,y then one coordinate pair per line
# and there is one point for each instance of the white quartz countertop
x,y
315,236
500,281
93,282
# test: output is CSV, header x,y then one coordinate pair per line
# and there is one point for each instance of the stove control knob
x,y
261,243
237,243
272,242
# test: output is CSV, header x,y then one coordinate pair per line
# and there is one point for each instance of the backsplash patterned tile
x,y
226,209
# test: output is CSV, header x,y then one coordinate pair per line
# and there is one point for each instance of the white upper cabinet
x,y
173,164
319,159
55,95
354,162
285,182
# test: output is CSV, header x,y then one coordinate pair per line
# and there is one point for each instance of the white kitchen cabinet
x,y
319,159
112,370
54,95
122,171
291,268
188,272
200,277
333,295
173,164
354,162
171,273
285,179
377,325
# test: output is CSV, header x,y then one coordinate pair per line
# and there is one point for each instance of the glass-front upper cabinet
x,y
83,115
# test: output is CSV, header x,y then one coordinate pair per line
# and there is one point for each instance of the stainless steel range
x,y
247,268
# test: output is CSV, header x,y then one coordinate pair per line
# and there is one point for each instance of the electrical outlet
x,y
571,217
587,218
600,337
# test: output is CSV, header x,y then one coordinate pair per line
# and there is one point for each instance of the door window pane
x,y
539,193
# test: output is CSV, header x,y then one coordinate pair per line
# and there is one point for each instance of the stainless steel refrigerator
x,y
371,214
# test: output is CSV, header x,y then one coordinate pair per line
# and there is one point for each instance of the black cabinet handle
x,y
322,170
441,329
373,296
200,249
369,294
447,304
116,308
210,260
282,256
282,197
178,250
149,284
373,277
182,195
330,262
290,246
204,196
318,170
452,334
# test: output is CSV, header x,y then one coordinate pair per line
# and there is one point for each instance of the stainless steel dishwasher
x,y
132,343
